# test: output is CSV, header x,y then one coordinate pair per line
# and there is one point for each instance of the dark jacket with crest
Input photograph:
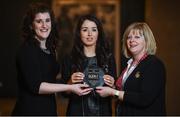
x,y
145,89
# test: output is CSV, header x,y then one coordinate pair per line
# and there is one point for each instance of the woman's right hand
x,y
80,89
77,77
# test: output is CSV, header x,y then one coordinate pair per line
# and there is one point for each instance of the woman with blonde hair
x,y
141,85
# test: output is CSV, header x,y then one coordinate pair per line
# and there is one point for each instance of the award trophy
x,y
94,76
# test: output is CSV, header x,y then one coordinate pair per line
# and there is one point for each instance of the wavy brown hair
x,y
28,33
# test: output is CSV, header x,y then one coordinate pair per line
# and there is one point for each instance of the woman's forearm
x,y
48,88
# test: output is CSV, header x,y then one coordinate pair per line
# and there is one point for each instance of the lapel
x,y
137,72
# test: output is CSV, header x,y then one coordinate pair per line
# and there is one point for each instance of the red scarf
x,y
119,80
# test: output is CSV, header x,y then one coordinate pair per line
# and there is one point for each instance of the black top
x,y
91,104
33,67
145,89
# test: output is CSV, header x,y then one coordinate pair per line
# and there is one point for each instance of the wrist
x,y
70,88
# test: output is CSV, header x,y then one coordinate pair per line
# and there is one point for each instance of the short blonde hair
x,y
144,30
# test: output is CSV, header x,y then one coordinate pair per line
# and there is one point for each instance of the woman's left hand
x,y
104,91
109,80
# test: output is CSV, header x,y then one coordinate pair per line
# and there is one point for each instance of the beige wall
x,y
163,17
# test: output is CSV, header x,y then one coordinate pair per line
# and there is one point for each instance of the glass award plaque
x,y
94,76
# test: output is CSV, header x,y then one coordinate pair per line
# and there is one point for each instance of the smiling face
x,y
42,25
89,33
136,43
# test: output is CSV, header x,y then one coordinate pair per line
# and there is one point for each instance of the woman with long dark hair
x,y
92,62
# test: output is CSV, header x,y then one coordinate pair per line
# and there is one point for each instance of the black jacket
x,y
77,104
145,89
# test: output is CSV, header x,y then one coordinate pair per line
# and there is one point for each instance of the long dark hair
x,y
28,33
103,51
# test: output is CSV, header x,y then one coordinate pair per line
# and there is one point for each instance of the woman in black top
x,y
37,67
90,50
141,85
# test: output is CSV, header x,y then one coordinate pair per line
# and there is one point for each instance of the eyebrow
x,y
42,18
87,27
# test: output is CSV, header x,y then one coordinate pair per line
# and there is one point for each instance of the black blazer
x,y
145,89
34,67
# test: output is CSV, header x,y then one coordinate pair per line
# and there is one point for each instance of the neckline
x,y
142,58
90,57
